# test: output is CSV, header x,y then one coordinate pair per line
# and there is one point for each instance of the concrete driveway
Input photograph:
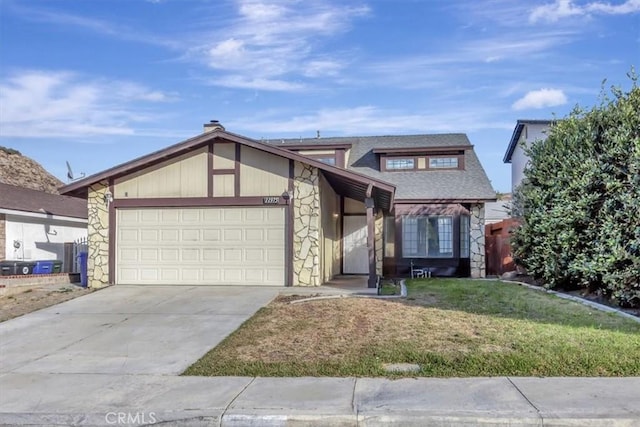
x,y
127,330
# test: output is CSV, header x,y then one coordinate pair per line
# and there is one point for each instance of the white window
x,y
443,163
400,163
427,237
327,160
464,236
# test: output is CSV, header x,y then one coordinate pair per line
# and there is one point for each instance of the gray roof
x,y
471,183
27,200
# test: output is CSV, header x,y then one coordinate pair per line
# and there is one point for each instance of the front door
x,y
356,254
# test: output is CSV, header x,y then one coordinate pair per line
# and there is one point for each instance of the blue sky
x,y
101,82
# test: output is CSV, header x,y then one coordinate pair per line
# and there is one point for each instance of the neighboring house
x,y
498,210
525,133
35,225
221,208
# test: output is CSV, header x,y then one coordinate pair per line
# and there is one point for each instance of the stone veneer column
x,y
306,226
378,239
476,232
98,236
3,237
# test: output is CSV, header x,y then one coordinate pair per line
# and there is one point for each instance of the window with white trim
x,y
427,236
443,162
400,163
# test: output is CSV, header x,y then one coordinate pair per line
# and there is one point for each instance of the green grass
x,y
450,327
389,288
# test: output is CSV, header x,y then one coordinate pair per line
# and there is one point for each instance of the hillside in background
x,y
16,169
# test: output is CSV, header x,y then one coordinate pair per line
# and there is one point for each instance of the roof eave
x,y
515,137
79,188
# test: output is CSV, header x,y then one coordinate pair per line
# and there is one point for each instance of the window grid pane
x,y
427,236
327,160
464,236
443,162
400,164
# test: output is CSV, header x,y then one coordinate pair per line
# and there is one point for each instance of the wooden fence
x,y
498,256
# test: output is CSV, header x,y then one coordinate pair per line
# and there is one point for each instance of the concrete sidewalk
x,y
107,400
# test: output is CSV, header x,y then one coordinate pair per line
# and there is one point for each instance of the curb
x,y
582,301
403,294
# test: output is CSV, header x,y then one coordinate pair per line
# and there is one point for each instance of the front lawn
x,y
450,327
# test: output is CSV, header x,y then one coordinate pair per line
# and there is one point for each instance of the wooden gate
x,y
499,258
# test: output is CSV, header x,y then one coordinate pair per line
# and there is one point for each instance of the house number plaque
x,y
270,200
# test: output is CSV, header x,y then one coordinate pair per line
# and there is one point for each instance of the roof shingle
x,y
471,183
27,200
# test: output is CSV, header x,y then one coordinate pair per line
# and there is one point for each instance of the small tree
x,y
580,200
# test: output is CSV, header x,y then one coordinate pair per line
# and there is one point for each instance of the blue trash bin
x,y
83,268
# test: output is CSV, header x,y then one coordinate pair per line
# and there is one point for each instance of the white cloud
x,y
540,99
36,103
106,28
560,9
367,120
277,42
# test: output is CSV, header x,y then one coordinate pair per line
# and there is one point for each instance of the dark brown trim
x,y
353,214
210,171
416,161
342,214
460,158
79,188
371,242
423,150
323,156
186,202
236,181
383,163
288,259
112,237
223,171
439,201
340,158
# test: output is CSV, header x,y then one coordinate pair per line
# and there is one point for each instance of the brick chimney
x,y
213,125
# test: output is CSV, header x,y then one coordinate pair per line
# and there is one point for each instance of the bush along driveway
x,y
448,327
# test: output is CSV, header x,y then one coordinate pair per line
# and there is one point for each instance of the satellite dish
x,y
70,173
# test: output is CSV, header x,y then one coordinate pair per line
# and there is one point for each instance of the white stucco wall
x,y
532,132
41,237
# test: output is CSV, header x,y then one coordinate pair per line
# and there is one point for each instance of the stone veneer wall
x,y
476,247
3,237
306,226
98,236
378,242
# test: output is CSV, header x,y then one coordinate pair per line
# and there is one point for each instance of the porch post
x,y
371,242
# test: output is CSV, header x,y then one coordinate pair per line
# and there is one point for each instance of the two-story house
x,y
220,208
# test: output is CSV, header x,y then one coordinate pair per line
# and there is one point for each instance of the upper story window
x,y
443,163
328,160
400,163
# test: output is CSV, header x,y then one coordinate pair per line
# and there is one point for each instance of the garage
x,y
201,246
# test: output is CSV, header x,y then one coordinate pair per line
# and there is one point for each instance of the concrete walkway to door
x,y
128,329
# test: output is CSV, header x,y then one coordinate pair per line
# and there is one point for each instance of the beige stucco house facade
x,y
221,208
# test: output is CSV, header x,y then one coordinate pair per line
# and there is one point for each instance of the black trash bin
x,y
24,267
8,268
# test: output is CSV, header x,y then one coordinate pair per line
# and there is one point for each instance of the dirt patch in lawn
x,y
37,298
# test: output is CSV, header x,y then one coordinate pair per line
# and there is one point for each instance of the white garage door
x,y
200,246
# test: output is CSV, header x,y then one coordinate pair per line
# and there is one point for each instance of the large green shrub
x,y
580,200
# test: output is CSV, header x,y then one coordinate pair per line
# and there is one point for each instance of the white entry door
x,y
356,254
